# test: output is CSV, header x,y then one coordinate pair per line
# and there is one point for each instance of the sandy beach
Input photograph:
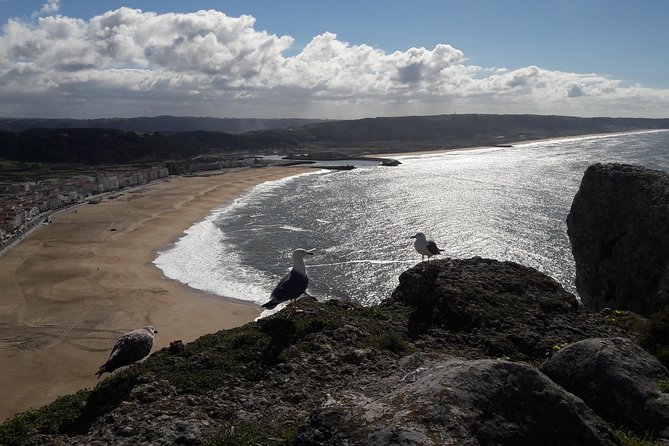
x,y
72,286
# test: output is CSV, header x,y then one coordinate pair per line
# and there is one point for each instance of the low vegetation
x,y
249,435
245,353
282,366
628,438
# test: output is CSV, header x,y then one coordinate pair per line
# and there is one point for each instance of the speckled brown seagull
x,y
130,347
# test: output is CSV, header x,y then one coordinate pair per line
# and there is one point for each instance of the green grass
x,y
536,363
248,435
655,338
627,438
248,352
392,342
664,385
9,164
50,419
70,414
632,323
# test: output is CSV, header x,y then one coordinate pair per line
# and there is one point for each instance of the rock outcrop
x,y
478,308
425,366
468,403
618,380
619,232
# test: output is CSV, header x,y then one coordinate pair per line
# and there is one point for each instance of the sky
x,y
339,59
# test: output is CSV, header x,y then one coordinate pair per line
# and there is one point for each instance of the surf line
x,y
377,262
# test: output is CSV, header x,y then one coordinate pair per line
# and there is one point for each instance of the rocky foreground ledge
x,y
453,357
466,352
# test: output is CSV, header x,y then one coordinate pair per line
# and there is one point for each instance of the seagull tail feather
x,y
270,305
103,369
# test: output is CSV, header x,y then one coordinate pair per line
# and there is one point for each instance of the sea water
x,y
499,203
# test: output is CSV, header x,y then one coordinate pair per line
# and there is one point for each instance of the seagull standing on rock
x,y
130,347
293,284
425,247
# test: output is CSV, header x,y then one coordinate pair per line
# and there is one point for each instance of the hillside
x,y
105,146
461,337
341,138
156,124
454,130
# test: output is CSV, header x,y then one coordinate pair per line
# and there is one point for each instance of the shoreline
x,y
72,286
509,144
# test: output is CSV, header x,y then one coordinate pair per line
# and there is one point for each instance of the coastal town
x,y
26,204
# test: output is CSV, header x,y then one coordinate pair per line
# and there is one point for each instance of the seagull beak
x,y
309,252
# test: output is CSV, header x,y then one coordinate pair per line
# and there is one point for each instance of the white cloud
x,y
50,7
207,63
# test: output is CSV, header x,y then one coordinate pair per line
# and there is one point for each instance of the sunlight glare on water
x,y
500,203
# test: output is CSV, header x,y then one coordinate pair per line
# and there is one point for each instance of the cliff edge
x,y
450,357
619,232
466,351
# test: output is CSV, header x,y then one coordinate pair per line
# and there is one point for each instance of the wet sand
x,y
72,286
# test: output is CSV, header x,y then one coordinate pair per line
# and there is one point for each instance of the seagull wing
x,y
129,348
432,247
118,347
290,287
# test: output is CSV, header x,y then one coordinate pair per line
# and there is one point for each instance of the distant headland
x,y
163,138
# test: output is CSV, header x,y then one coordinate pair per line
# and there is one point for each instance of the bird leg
x,y
289,307
292,306
136,367
295,307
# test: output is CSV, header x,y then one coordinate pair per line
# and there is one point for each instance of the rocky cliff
x,y
468,352
619,231
450,358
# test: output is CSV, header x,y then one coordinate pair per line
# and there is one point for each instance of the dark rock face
x,y
619,231
344,374
617,379
480,402
152,414
487,308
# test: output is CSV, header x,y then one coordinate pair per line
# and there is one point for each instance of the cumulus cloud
x,y
208,63
50,7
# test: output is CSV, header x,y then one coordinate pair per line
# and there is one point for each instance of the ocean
x,y
499,203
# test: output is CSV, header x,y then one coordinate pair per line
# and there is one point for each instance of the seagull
x,y
425,247
130,347
293,284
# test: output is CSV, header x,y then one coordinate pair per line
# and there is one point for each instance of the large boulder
x,y
486,308
618,380
619,232
475,402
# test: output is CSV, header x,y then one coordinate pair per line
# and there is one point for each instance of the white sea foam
x,y
203,260
196,259
500,203
294,228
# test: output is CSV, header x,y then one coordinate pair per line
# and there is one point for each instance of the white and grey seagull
x,y
425,247
130,347
293,284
